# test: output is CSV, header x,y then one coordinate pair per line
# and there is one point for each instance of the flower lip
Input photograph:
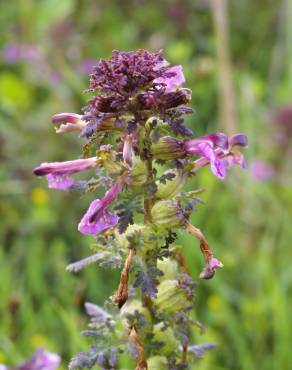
x,y
100,221
238,139
98,209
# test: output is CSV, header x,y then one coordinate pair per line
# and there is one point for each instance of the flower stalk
x,y
138,147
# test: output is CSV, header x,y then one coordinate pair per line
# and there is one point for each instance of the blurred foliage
x,y
47,49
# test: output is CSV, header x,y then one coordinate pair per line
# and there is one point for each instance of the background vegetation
x,y
47,50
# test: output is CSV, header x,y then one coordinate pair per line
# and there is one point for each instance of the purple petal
x,y
97,219
59,182
217,139
173,77
218,166
238,139
110,196
42,360
65,168
235,159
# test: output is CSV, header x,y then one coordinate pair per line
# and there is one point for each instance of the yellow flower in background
x,y
2,358
38,340
39,196
214,302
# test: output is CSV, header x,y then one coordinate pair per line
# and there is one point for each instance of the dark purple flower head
x,y
41,360
97,218
57,172
127,72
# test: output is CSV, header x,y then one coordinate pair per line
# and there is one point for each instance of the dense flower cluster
x,y
139,148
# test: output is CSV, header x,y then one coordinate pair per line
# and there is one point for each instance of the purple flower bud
x,y
57,172
41,360
172,78
128,151
66,122
97,218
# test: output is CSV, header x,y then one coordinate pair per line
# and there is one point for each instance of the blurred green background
x,y
237,58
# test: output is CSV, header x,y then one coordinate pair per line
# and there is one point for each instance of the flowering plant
x,y
140,149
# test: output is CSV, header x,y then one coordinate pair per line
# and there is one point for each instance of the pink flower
x,y
57,172
97,218
205,147
221,158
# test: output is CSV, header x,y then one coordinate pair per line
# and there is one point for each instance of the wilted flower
x,y
212,265
57,172
41,360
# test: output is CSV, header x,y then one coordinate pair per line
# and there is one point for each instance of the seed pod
x,y
167,337
170,297
169,267
167,214
157,363
138,173
173,186
168,148
129,308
